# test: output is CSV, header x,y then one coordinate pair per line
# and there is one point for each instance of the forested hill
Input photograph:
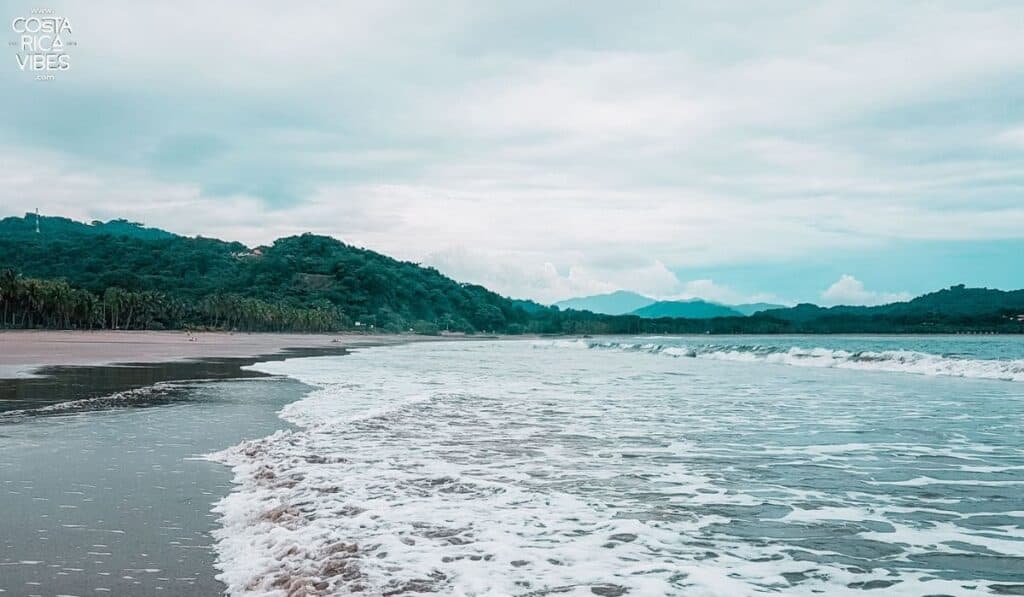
x,y
955,302
120,274
305,282
24,228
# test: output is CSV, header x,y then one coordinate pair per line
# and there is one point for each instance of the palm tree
x,y
8,292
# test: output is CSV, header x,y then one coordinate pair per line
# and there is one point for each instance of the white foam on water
x,y
896,361
113,400
494,469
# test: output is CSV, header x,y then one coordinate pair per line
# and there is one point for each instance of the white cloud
x,y
848,290
526,274
547,165
1011,137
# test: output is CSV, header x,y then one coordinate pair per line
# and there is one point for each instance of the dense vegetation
x,y
124,276
78,275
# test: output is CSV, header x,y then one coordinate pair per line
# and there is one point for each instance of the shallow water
x,y
117,501
640,466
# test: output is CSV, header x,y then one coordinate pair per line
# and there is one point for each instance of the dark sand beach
x,y
103,481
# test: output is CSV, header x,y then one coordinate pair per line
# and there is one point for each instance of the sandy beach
x,y
24,351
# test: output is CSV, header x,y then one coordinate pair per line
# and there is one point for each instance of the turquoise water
x,y
641,466
984,357
1004,348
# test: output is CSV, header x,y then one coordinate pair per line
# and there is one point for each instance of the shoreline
x,y
62,367
24,352
113,489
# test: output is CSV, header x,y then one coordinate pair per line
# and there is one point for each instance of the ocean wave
x,y
896,361
365,497
489,469
158,392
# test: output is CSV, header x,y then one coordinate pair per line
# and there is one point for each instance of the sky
x,y
831,152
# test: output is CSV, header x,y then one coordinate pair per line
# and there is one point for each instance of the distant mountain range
x,y
692,309
619,302
624,302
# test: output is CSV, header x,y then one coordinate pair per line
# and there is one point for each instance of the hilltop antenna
x,y
37,220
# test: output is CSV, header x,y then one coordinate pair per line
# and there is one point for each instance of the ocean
x,y
638,466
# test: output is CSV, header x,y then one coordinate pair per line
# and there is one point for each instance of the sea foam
x,y
896,361
496,469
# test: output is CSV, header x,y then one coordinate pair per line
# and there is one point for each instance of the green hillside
x,y
208,282
25,228
751,308
955,302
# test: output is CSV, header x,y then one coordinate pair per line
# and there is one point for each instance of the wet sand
x,y
24,351
57,367
117,501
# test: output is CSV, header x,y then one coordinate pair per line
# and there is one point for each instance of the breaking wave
x,y
490,469
157,393
897,361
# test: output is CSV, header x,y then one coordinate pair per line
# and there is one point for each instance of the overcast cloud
x,y
546,149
